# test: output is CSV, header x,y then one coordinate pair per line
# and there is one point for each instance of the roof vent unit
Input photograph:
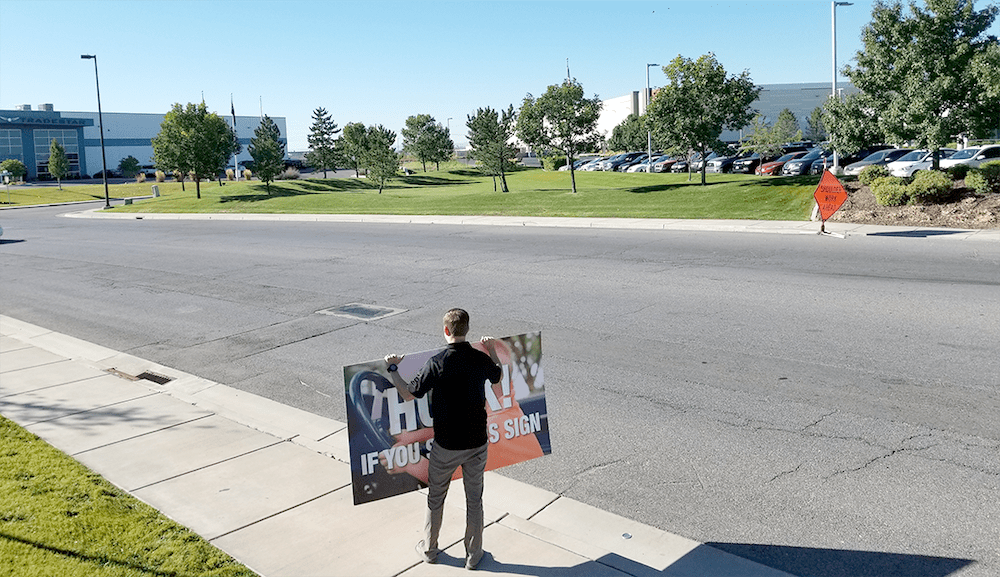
x,y
46,107
22,107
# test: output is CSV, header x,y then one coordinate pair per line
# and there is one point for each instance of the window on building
x,y
69,141
10,144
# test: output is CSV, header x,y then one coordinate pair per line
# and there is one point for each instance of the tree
x,y
786,127
427,140
562,119
58,163
15,167
353,144
816,130
761,138
489,137
129,166
925,74
322,140
631,134
379,158
193,140
267,151
699,101
442,146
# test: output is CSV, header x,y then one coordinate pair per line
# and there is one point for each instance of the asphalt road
x,y
824,406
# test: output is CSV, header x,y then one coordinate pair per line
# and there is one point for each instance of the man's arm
x,y
397,381
490,344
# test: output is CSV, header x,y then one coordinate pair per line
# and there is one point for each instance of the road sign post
x,y
830,196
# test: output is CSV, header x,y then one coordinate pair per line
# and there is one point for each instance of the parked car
x,y
803,164
626,159
821,164
630,161
910,163
580,162
722,164
973,156
594,164
697,162
774,167
681,165
642,165
749,163
880,158
112,173
664,164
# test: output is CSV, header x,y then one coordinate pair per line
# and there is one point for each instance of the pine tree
x,y
489,137
322,140
267,151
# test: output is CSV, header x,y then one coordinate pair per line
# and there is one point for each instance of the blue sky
x,y
378,62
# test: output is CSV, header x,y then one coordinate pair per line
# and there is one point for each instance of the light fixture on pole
x,y
649,129
100,125
833,90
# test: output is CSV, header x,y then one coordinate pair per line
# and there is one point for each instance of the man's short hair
x,y
457,322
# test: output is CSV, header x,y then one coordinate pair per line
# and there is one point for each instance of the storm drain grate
x,y
361,312
156,378
144,376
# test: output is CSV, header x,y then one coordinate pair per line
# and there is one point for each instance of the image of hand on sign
x,y
390,436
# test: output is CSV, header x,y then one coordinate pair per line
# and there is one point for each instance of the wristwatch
x,y
393,368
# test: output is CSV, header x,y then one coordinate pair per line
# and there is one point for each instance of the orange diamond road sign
x,y
830,195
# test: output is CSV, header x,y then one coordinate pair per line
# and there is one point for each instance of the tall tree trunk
x,y
197,186
572,177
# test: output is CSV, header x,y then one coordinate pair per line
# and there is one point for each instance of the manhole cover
x,y
361,312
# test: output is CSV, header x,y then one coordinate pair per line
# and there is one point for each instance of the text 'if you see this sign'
x,y
390,439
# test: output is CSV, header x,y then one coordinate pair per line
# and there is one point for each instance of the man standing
x,y
456,376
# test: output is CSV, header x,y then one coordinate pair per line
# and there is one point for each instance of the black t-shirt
x,y
457,376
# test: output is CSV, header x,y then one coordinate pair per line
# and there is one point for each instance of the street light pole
x,y
649,129
833,89
100,125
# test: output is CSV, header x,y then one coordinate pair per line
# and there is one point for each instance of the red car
x,y
774,168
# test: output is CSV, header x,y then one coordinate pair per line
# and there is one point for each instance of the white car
x,y
973,156
910,163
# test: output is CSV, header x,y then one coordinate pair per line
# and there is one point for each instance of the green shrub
x,y
871,172
985,179
889,190
230,174
958,171
141,177
553,162
929,186
247,174
161,176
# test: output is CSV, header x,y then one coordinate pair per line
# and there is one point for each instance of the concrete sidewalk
x,y
270,484
842,229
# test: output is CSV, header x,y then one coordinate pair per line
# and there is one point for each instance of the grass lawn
x,y
59,518
458,190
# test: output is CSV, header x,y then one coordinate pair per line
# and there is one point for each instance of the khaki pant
x,y
443,464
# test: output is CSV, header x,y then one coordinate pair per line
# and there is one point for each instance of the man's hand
x,y
396,380
490,343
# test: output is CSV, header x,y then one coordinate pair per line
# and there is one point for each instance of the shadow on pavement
x,y
917,233
836,562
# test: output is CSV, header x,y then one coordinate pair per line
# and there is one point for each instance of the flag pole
x,y
232,109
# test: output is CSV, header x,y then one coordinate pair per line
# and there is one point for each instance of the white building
x,y
801,99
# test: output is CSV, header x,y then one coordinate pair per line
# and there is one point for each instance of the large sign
x,y
830,195
390,439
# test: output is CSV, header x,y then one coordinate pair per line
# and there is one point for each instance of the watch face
x,y
393,368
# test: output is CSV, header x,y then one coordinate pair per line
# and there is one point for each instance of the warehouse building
x,y
27,134
801,99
